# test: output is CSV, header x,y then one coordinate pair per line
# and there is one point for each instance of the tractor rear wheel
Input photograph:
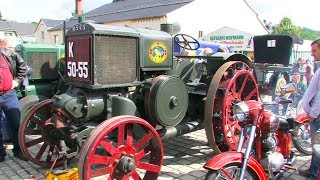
x,y
232,83
36,140
114,151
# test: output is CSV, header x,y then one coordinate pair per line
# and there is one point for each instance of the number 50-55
x,y
79,69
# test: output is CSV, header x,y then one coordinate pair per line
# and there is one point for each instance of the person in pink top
x,y
309,71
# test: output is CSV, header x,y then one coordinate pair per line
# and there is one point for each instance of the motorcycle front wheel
x,y
302,139
233,171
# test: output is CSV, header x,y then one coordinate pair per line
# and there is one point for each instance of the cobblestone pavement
x,y
184,158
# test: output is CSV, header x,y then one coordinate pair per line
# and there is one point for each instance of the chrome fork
x,y
252,131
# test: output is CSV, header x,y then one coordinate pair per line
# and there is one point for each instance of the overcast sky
x,y
302,13
34,10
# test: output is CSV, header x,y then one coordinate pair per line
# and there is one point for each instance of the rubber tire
x,y
297,145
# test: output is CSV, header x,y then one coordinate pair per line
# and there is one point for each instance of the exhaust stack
x,y
79,9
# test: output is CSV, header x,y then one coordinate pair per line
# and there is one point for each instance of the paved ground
x,y
184,158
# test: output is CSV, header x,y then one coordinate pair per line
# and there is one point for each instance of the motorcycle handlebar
x,y
284,101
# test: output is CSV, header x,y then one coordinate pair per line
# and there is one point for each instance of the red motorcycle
x,y
301,137
264,150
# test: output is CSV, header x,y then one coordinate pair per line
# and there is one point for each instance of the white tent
x,y
209,15
238,40
306,46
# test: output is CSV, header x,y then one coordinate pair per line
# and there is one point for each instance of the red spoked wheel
x,y
114,151
232,83
35,135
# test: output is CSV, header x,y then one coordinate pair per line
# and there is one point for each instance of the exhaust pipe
x,y
170,132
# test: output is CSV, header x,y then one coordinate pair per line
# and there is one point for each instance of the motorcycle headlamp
x,y
241,111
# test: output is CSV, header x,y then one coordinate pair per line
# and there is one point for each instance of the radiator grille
x,y
115,60
43,64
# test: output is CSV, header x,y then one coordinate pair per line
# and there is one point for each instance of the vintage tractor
x,y
127,92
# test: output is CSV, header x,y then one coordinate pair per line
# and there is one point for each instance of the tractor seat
x,y
197,88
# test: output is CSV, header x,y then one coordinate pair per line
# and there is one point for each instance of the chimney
x,y
200,34
79,9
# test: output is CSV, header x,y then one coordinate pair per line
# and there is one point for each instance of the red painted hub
x,y
115,151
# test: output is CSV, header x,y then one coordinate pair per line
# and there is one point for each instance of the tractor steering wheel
x,y
186,42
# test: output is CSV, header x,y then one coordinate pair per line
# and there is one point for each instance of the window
x,y
8,34
42,35
56,39
271,43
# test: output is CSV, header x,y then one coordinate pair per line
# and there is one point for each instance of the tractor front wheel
x,y
115,151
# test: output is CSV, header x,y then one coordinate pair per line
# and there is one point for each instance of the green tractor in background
x,y
45,75
45,63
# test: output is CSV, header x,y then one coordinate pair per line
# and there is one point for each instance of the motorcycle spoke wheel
x,y
115,151
232,83
302,140
34,140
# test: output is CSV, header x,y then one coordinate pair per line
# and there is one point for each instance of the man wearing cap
x,y
296,96
12,71
300,87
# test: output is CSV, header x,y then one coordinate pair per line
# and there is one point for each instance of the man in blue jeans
x,y
12,71
311,105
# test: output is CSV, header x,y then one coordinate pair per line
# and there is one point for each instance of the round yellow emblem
x,y
158,52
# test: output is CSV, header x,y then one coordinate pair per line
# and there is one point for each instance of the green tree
x,y
287,27
117,0
309,34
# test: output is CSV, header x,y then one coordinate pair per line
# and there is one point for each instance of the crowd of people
x,y
306,68
300,76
